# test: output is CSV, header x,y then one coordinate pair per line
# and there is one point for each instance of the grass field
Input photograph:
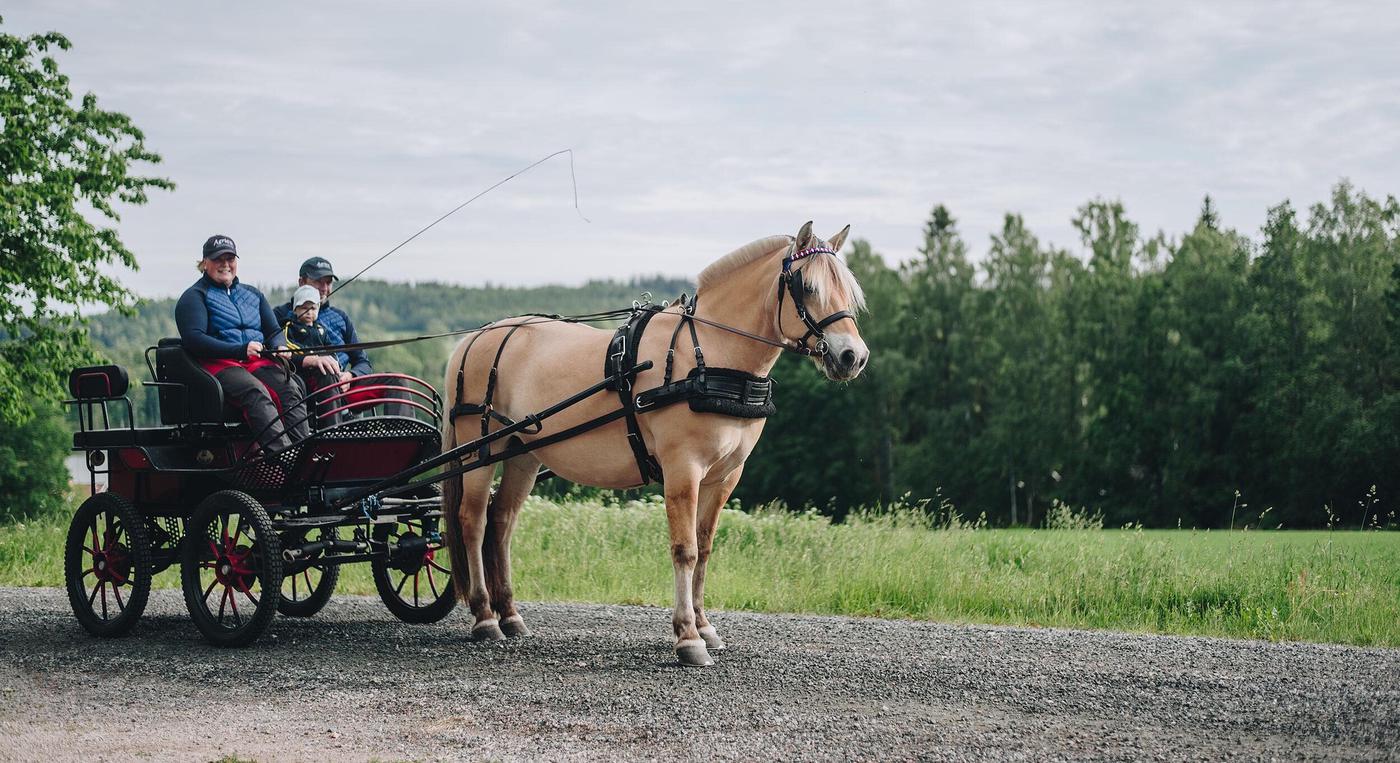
x,y
1325,586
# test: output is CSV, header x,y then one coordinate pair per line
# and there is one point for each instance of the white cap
x,y
305,294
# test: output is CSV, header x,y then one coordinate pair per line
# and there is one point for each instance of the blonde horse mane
x,y
740,257
831,272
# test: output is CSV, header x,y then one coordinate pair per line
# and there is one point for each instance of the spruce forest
x,y
1207,378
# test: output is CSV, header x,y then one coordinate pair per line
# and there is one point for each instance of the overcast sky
x,y
340,128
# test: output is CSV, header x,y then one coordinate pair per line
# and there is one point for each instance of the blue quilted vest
x,y
333,319
233,313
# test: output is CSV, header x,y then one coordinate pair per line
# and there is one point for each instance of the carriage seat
x,y
91,386
200,399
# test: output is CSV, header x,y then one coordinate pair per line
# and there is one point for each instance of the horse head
x,y
817,298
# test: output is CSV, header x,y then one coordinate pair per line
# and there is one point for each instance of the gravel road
x,y
601,682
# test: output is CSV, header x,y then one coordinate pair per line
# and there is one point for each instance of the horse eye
x,y
806,290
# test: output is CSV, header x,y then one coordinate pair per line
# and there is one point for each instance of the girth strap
x,y
621,362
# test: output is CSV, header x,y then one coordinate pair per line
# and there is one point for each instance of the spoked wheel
x,y
306,591
107,565
415,581
231,569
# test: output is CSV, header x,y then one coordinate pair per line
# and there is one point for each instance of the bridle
x,y
790,281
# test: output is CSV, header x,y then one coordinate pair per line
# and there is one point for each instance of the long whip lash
x,y
599,316
493,187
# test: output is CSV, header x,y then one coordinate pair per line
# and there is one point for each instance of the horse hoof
x,y
487,630
712,639
514,626
692,654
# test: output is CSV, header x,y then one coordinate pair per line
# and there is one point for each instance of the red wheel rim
x,y
300,586
420,570
232,571
110,565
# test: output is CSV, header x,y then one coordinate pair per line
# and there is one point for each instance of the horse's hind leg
x,y
464,504
517,480
711,500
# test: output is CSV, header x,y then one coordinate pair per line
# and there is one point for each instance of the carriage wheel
x,y
107,565
231,569
307,591
415,579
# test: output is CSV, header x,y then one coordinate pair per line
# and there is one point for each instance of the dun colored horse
x,y
700,454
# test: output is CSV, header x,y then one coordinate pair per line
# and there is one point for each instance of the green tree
x,y
1204,323
61,163
943,403
1025,371
33,478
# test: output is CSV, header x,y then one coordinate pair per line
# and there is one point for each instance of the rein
x,y
789,282
545,318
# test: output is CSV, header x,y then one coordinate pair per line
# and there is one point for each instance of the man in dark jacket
x,y
339,329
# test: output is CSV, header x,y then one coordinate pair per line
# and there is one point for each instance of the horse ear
x,y
840,238
804,235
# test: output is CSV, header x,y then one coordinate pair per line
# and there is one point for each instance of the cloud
x,y
340,128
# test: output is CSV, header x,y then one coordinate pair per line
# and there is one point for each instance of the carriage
x,y
252,533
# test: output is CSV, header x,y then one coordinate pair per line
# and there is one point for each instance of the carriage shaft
x,y
401,481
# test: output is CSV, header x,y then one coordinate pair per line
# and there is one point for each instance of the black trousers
x,y
246,391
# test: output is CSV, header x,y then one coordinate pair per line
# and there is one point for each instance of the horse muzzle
x,y
844,359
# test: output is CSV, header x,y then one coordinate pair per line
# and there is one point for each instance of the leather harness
x,y
724,391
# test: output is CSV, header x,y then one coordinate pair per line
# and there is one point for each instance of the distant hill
x,y
385,310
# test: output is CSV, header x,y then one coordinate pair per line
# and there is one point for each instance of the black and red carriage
x,y
255,532
252,533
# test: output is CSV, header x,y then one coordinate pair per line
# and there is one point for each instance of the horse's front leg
x,y
681,498
711,500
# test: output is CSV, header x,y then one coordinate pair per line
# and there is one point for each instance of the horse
x,y
743,320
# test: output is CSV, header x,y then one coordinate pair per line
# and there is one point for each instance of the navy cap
x,y
317,268
218,245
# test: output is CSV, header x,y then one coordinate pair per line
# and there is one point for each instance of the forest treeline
x,y
1204,379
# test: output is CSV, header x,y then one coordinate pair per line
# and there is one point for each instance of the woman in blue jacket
x,y
225,324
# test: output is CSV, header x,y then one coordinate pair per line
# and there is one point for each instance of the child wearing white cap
x,y
303,331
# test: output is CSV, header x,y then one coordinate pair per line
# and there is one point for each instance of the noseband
x,y
790,281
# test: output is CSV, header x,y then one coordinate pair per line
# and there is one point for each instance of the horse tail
x,y
452,502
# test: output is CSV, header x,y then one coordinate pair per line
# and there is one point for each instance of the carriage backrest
x,y
97,382
199,399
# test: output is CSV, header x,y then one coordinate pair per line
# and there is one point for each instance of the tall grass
x,y
1341,587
